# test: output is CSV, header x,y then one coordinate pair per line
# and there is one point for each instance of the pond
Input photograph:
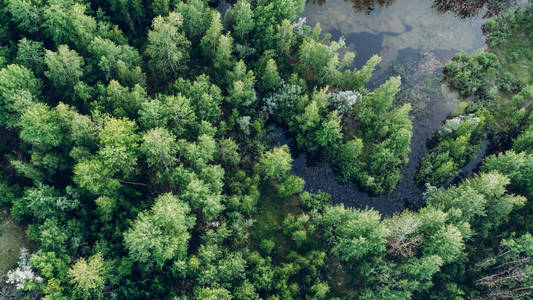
x,y
415,41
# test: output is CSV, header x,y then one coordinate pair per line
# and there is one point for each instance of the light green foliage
x,y
50,265
160,234
268,15
52,133
92,175
284,37
115,160
64,67
160,148
270,77
290,186
205,97
393,127
330,133
241,16
319,62
199,153
105,206
229,152
196,18
372,107
241,91
276,164
213,294
31,55
119,145
18,87
41,127
26,14
117,61
223,58
447,243
167,49
481,201
67,23
89,277
356,80
355,233
198,195
121,101
518,167
173,112
210,39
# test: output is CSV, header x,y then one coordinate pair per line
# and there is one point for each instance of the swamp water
x,y
414,41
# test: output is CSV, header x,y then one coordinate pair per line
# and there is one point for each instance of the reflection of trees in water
x,y
362,5
468,8
462,8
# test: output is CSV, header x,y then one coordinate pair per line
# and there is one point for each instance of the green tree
x,y
121,101
162,233
518,167
270,77
205,97
18,89
173,112
160,148
67,23
65,68
198,195
210,39
31,55
119,145
241,17
524,142
26,14
355,233
241,91
117,61
167,49
196,18
276,164
89,277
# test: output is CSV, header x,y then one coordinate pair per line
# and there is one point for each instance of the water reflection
x,y
470,8
461,8
366,6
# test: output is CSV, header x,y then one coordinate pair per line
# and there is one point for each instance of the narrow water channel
x,y
415,41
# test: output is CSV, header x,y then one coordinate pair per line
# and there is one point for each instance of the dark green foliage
x,y
475,75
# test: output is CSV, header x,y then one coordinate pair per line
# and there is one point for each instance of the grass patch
x,y
12,238
271,211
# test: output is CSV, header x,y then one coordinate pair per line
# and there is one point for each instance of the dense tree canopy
x,y
136,151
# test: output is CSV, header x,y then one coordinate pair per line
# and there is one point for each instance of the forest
x,y
137,154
